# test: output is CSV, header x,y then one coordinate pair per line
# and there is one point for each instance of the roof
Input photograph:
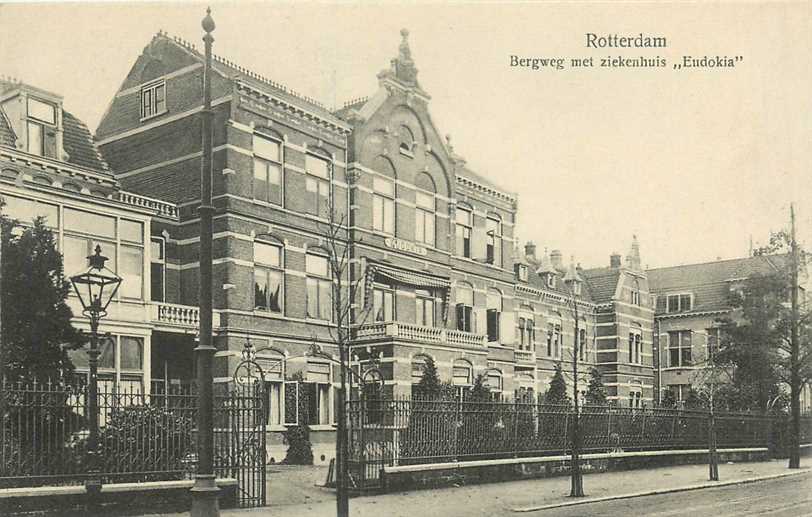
x,y
465,172
709,282
76,137
601,282
535,281
234,70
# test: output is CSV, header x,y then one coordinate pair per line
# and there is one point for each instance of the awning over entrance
x,y
384,272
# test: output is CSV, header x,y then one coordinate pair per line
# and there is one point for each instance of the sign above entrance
x,y
407,246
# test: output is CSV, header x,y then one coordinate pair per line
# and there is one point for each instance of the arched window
x,y
425,208
406,140
526,328
493,245
267,168
418,367
525,384
494,381
462,373
383,196
554,337
494,310
465,306
635,342
268,276
636,292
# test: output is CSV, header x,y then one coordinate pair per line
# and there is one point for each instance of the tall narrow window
x,y
493,245
424,218
158,269
267,170
406,140
463,231
714,340
41,126
494,311
317,186
268,277
153,100
558,340
465,307
550,334
383,205
582,352
425,307
636,293
383,303
319,287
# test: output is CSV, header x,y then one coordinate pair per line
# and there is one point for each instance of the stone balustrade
x,y
419,333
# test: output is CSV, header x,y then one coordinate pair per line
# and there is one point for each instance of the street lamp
x,y
572,281
95,287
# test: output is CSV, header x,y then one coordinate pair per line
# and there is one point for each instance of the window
x,y
153,100
461,373
424,218
465,307
317,389
527,332
636,293
550,333
635,398
383,303
383,205
679,348
268,277
158,269
121,362
131,272
418,367
406,139
494,311
425,307
554,340
714,340
26,210
679,302
550,278
493,380
521,272
463,231
635,346
41,125
493,245
317,186
582,344
319,287
267,170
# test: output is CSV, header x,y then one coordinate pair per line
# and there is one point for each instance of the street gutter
x,y
686,488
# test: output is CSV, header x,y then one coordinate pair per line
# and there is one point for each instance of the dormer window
x,y
41,127
153,100
679,302
521,272
550,280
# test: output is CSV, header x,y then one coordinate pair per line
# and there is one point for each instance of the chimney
x,y
530,249
555,258
614,260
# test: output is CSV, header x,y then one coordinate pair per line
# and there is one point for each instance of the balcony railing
x,y
162,208
184,316
412,332
524,356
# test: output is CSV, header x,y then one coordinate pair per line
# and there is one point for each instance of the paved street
x,y
784,497
781,497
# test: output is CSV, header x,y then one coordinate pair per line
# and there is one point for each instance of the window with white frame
x,y
462,373
635,344
157,269
425,307
406,141
714,341
493,313
319,287
153,100
550,280
550,334
679,302
679,348
555,339
635,398
131,249
383,205
493,381
317,185
317,387
464,224
526,328
418,367
121,363
273,368
425,208
269,277
41,126
383,303
267,169
25,211
635,295
464,296
493,244
521,272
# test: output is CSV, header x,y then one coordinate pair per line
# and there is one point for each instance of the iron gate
x,y
239,438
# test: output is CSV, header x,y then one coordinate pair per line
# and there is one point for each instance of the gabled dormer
x,y
547,271
34,118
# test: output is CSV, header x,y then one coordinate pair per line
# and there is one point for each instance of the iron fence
x,y
142,437
414,431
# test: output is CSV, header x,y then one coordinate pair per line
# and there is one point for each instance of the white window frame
x,y
151,91
267,269
463,231
383,198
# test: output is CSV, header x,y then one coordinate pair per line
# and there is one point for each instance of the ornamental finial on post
x,y
208,22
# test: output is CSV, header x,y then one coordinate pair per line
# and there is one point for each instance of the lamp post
x,y
95,287
572,280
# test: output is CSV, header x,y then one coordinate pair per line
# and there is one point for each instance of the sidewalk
x,y
504,498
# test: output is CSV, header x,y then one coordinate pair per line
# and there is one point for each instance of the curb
x,y
659,491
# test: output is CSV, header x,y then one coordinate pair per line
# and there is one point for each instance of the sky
x,y
694,162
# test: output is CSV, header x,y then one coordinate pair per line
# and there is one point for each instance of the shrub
x,y
300,450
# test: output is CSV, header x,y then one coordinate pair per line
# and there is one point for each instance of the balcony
x,y
178,317
525,357
420,334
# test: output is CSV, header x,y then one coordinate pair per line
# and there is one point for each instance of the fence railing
x,y
142,437
412,431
